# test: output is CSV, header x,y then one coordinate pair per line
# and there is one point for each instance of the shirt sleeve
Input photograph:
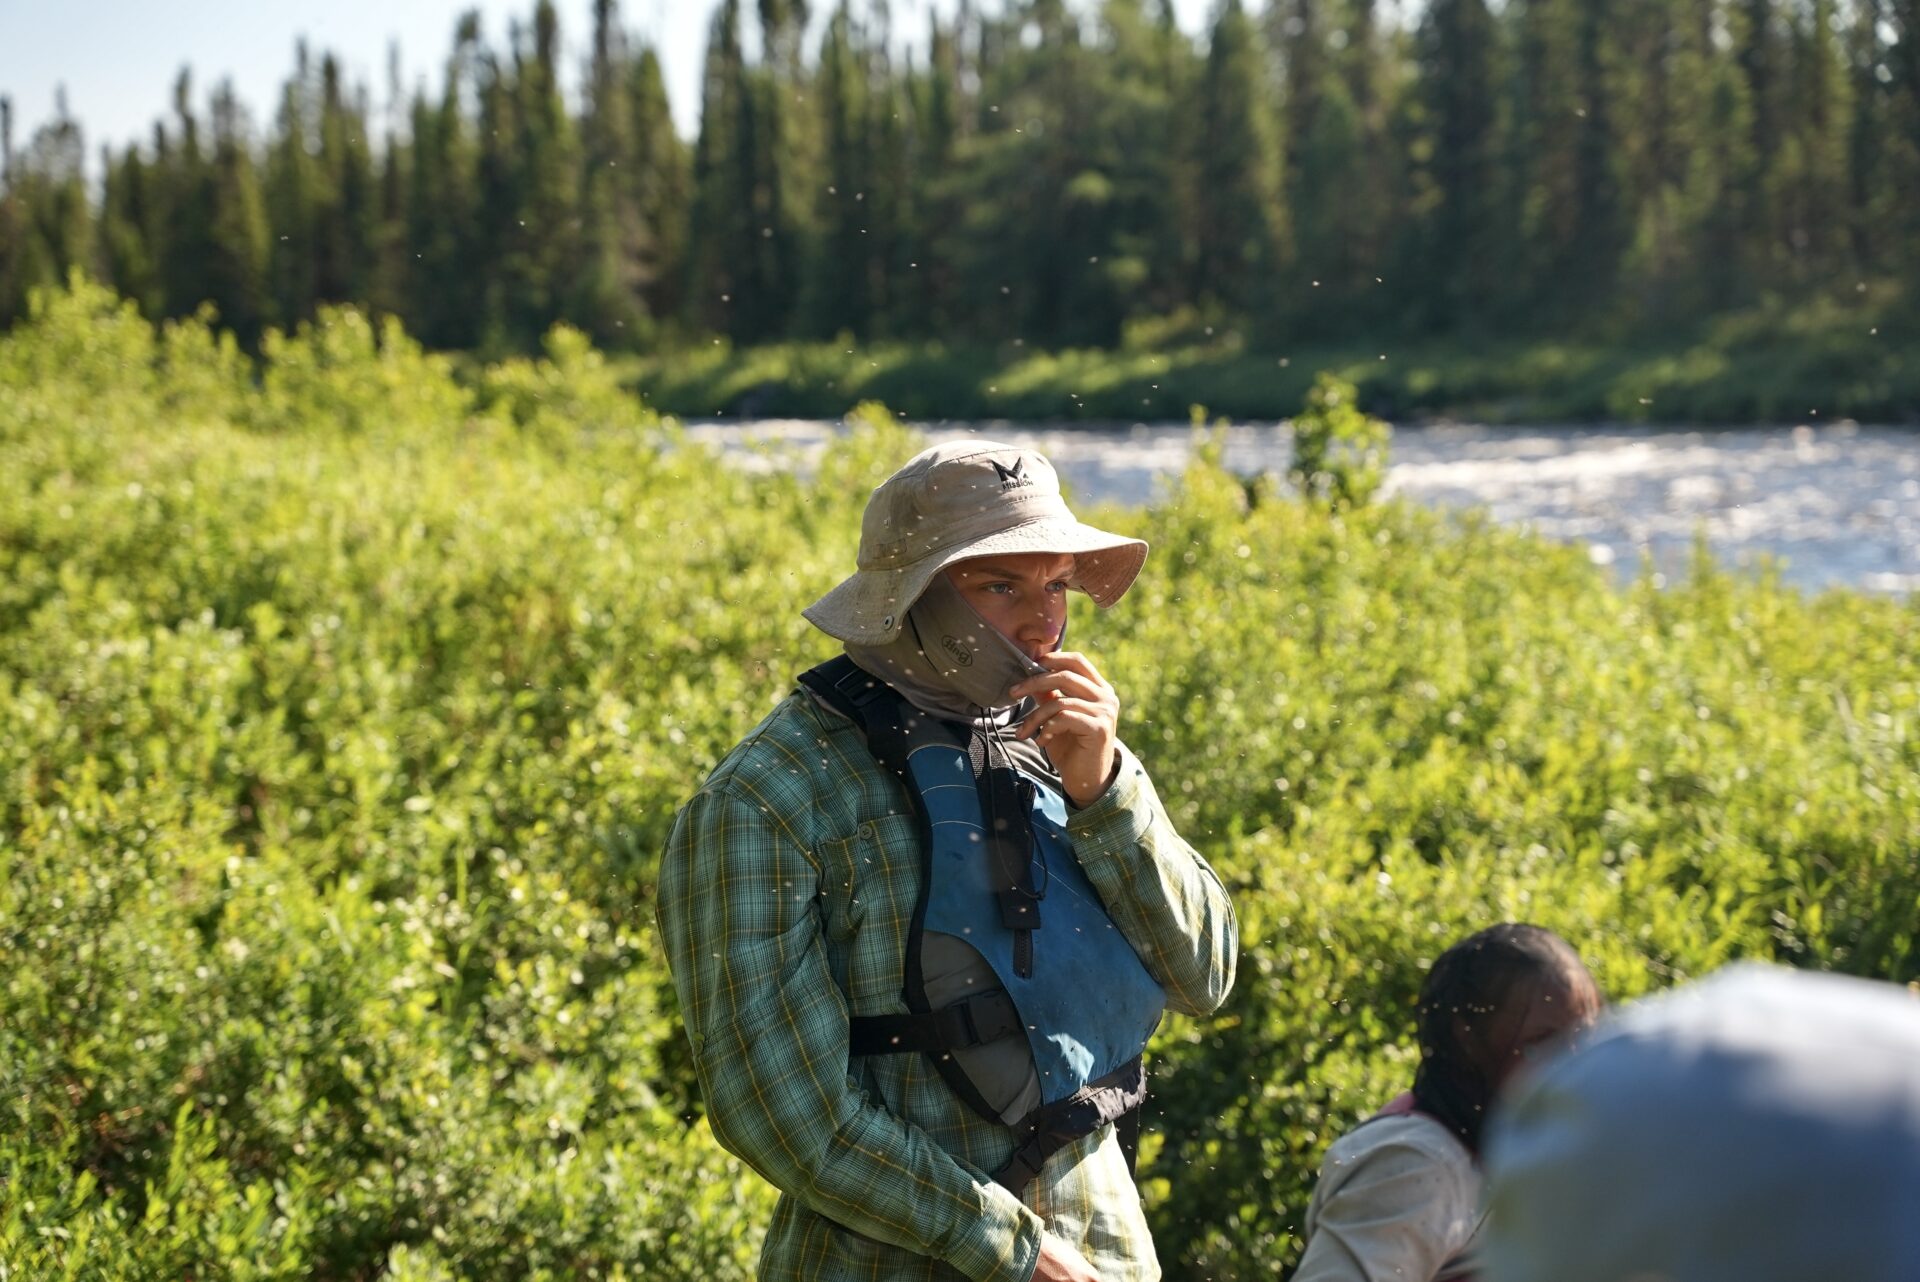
x,y
1160,892
1397,1212
768,1026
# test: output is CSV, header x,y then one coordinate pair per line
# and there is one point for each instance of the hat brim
x,y
869,607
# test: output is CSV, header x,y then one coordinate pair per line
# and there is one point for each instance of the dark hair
x,y
1470,983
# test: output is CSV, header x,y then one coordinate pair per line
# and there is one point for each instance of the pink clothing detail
x,y
1401,1105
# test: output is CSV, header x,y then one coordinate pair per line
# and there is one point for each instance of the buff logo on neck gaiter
x,y
970,655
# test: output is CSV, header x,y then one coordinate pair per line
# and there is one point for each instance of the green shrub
x,y
1339,453
344,705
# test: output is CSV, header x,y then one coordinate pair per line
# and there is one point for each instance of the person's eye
x,y
1058,585
1000,589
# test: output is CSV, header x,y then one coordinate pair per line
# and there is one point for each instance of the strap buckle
x,y
972,1021
990,1017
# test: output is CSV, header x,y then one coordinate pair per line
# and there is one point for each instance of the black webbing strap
x,y
1006,800
1047,1130
859,696
975,1021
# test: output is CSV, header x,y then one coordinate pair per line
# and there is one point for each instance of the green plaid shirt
x,y
786,893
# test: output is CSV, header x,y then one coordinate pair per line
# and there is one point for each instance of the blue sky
x,y
118,58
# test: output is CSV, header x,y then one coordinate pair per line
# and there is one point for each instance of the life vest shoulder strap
x,y
869,703
889,727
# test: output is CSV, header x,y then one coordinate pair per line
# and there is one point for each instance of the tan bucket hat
x,y
954,502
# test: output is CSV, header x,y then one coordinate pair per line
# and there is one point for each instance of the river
x,y
1834,506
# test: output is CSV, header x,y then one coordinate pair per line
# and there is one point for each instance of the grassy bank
x,y
1820,362
344,707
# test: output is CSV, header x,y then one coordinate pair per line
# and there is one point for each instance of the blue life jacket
x,y
998,871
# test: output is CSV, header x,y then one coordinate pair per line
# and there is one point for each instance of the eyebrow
x,y
997,570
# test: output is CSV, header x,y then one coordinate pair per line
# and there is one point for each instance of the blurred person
x,y
924,917
1400,1195
1762,1125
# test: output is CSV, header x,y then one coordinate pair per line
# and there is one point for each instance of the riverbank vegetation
x,y
1558,209
1804,364
344,707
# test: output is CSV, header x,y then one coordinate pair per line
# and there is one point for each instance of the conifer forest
x,y
1034,171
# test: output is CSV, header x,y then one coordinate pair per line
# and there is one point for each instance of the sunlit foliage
x,y
1339,453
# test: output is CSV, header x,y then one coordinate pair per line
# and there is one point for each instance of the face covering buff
x,y
948,660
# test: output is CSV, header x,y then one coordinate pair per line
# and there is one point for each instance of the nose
x,y
1041,626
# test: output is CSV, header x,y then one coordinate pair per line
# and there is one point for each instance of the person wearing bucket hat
x,y
923,918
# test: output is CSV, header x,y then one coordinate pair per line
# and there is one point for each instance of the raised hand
x,y
1077,723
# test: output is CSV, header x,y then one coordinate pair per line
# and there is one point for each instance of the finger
x,y
1073,661
1037,718
1078,708
1069,716
1071,684
1068,730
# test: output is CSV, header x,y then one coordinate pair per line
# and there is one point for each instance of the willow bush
x,y
345,699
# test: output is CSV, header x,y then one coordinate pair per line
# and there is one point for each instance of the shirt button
x,y
866,832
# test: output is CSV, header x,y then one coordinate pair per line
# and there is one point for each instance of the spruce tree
x,y
1724,191
1589,266
659,165
1143,74
929,294
189,211
235,268
892,189
12,225
1463,246
388,295
125,227
1759,49
606,302
840,291
47,227
1866,144
1339,188
295,202
545,265
1551,154
448,243
1237,228
1811,179
349,200
1671,185
774,148
1040,175
497,241
1902,182
1038,191
722,230
742,258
